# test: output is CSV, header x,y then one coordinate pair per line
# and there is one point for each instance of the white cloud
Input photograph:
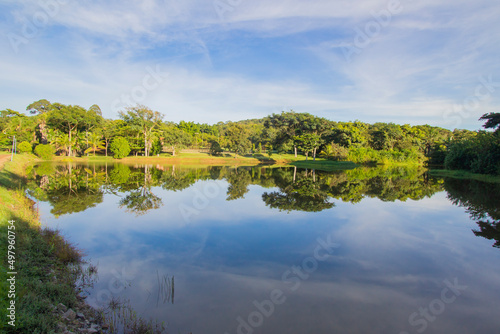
x,y
428,58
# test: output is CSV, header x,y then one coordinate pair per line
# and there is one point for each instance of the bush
x,y
215,148
24,147
45,152
156,147
362,155
120,148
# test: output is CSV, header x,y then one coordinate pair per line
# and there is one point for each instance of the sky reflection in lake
x,y
391,262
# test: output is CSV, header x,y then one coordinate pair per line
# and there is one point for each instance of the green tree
x,y
492,121
308,143
175,138
144,120
286,125
237,138
24,147
95,142
41,108
96,109
120,147
156,146
110,129
93,119
68,119
215,148
44,151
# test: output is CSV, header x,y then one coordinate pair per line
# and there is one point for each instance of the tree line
x,y
71,130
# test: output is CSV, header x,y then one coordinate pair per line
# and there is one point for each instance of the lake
x,y
283,250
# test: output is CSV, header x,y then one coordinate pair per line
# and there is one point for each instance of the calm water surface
x,y
283,250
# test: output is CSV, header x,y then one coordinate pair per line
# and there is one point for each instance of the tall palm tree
x,y
95,142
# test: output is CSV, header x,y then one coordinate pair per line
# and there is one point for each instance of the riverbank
x,y
42,272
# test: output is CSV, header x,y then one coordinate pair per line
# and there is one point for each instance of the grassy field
x,y
41,257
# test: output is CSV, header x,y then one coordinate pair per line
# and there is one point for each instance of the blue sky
x,y
405,61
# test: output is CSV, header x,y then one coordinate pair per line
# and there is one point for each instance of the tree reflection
x,y
480,200
68,188
303,195
239,179
76,187
142,199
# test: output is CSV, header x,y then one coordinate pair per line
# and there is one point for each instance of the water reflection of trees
x,y
301,191
73,188
69,189
480,200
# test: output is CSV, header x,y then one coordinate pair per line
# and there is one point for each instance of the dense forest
x,y
71,130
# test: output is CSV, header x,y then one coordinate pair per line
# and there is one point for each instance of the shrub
x,y
120,148
45,152
215,148
156,147
24,147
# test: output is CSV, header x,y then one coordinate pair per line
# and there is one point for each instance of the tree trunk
x,y
106,148
314,154
145,145
294,173
295,149
69,153
307,154
43,132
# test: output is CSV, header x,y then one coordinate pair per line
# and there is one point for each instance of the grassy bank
x,y
42,258
460,174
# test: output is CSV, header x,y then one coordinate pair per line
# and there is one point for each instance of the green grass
x,y
41,258
460,174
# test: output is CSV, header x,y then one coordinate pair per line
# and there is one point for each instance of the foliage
x,y
45,152
335,152
24,147
215,148
363,155
176,139
76,130
143,120
156,146
95,141
237,138
120,147
480,154
492,121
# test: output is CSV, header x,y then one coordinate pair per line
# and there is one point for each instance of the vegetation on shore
x,y
73,131
47,266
